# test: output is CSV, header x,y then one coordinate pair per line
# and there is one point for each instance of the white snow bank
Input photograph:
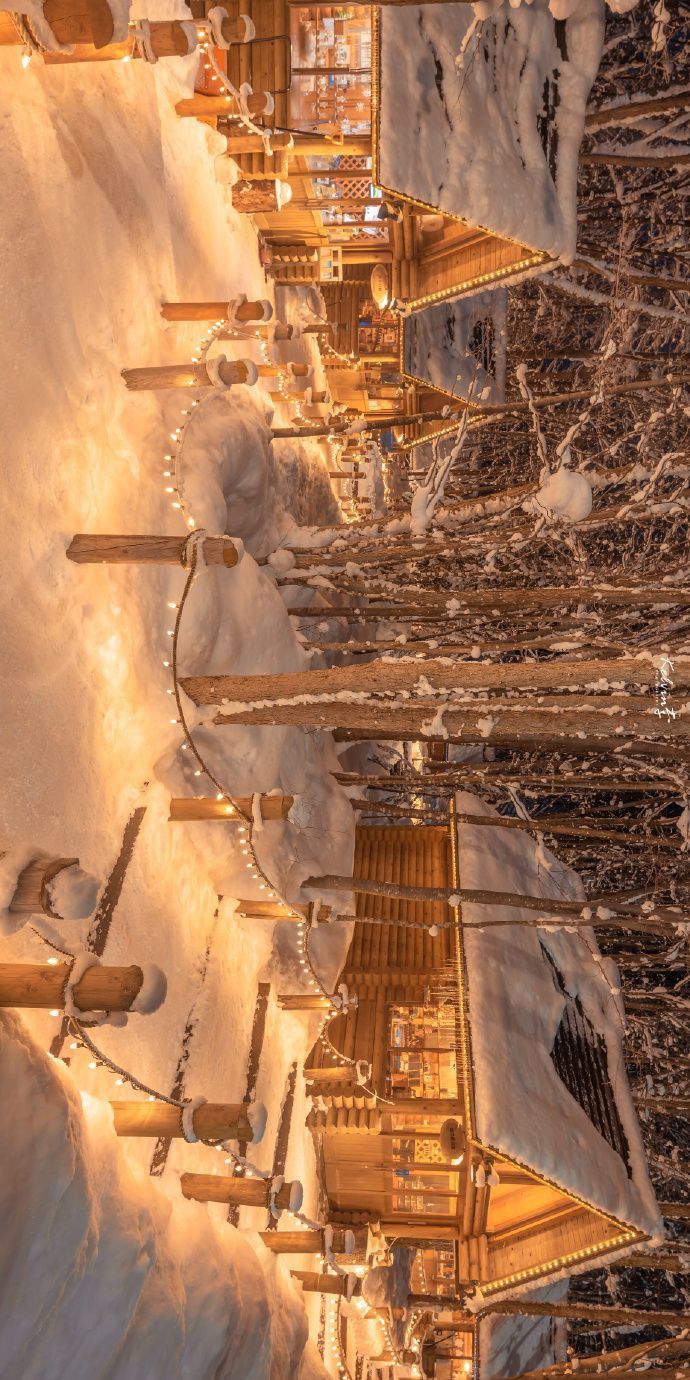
x,y
104,1275
463,128
523,1109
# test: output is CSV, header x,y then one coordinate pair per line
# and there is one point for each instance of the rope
x,y
244,116
27,35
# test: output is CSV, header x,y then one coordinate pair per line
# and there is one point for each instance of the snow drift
x,y
102,1274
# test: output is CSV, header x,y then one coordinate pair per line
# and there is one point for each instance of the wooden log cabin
x,y
512,1033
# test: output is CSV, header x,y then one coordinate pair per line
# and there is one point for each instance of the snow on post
x,y
41,885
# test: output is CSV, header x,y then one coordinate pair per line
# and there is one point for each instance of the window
x,y
331,67
421,1055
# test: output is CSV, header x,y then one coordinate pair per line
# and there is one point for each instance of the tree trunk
x,y
385,677
629,160
590,1312
619,114
663,915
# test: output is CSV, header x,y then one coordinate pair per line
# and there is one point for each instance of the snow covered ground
x,y
112,204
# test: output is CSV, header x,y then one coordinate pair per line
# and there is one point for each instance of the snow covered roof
x,y
483,119
516,1344
520,980
460,345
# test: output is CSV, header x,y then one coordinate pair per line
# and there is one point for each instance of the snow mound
x,y
102,1274
565,494
73,893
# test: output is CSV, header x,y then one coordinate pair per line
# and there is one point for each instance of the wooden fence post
x,y
165,38
343,1285
258,310
94,548
218,107
212,808
243,1191
42,985
33,890
305,1002
190,375
210,1121
344,1241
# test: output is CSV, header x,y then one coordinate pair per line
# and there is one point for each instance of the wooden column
x,y
238,1189
185,375
42,985
92,549
419,1231
256,194
211,1121
245,142
211,808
